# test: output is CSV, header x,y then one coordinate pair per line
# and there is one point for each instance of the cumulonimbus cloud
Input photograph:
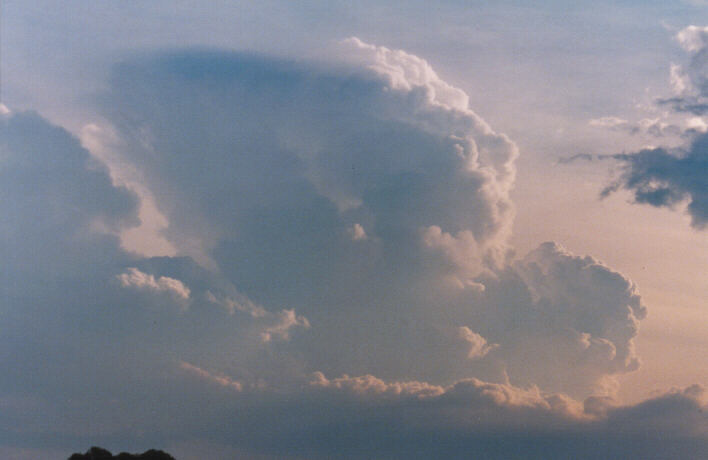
x,y
346,220
371,199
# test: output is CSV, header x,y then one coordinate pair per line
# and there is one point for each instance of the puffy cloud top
x,y
693,38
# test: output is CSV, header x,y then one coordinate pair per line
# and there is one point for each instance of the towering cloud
x,y
343,282
370,199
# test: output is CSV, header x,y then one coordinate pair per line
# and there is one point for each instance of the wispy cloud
x,y
218,379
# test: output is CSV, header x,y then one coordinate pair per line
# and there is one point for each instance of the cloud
x,y
559,308
61,305
365,202
135,279
406,72
693,38
221,380
242,304
666,178
368,417
146,238
207,290
287,319
478,346
320,189
662,176
471,417
461,253
690,82
369,385
54,195
76,320
357,232
338,134
318,214
654,127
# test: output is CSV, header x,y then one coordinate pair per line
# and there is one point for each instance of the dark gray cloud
x,y
666,178
56,298
54,196
53,193
87,327
365,417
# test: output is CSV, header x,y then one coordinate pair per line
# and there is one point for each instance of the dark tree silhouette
x,y
97,453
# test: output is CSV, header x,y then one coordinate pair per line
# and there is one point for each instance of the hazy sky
x,y
384,230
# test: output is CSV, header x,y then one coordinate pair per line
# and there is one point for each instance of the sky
x,y
375,230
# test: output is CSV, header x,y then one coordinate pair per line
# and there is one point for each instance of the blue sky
x,y
388,230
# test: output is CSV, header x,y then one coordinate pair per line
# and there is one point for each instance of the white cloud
x,y
608,122
369,385
689,81
414,76
478,346
135,279
273,326
406,72
553,307
461,252
284,321
697,124
693,38
221,380
147,238
357,232
680,82
242,304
